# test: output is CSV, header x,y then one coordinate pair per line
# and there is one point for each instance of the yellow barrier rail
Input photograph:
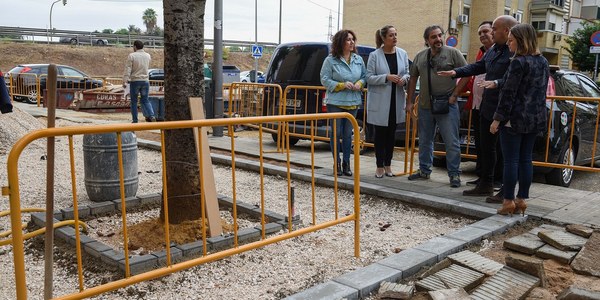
x,y
13,191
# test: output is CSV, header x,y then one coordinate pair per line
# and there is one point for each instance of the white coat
x,y
379,89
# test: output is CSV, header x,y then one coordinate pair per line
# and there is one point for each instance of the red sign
x,y
595,38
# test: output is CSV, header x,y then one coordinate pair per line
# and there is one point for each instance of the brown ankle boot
x,y
520,206
508,207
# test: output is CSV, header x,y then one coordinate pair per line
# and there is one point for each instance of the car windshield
x,y
297,63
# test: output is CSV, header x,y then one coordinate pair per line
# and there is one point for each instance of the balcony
x,y
545,6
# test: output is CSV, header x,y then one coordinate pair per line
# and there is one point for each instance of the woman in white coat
x,y
387,76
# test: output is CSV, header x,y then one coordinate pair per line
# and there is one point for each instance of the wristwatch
x,y
496,83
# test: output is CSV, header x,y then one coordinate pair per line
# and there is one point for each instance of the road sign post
x,y
595,48
256,53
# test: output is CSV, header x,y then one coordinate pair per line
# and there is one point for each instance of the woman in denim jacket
x,y
343,75
521,114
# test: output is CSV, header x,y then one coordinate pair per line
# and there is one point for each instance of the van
x,y
300,64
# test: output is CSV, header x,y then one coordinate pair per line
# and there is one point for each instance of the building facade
x,y
461,19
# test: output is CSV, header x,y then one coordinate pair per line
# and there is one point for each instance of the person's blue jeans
x,y
343,133
517,149
141,89
448,125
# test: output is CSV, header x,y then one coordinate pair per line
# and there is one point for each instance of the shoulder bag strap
x,y
429,71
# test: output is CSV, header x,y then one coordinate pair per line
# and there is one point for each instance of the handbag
x,y
440,105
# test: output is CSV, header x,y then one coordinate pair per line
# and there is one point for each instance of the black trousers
x,y
475,120
490,153
385,138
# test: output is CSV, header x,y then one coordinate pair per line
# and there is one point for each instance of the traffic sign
x,y
451,41
594,49
595,38
257,51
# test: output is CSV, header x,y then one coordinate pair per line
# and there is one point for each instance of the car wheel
x,y
439,162
293,140
32,97
100,43
73,42
563,176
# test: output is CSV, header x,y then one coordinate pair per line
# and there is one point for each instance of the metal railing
x,y
318,222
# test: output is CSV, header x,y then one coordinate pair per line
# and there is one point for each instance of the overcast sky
x,y
303,20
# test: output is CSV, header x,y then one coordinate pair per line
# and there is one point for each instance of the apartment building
x,y
461,18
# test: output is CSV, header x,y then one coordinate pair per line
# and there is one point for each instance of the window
x,y
570,86
467,11
589,88
72,72
551,26
507,10
539,25
560,3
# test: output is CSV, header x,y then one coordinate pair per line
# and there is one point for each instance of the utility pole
x,y
280,21
330,28
51,7
256,39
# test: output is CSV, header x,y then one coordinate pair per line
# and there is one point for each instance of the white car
x,y
245,76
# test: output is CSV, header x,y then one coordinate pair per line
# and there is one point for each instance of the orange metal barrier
x,y
562,110
318,222
25,87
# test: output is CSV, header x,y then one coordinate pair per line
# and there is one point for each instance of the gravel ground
x,y
272,272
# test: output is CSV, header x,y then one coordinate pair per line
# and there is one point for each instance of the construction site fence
x,y
66,136
581,138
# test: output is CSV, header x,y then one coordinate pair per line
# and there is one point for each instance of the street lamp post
x,y
51,7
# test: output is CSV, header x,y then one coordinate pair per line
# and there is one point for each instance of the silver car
x,y
83,39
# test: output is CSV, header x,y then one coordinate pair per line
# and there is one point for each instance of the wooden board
x,y
210,190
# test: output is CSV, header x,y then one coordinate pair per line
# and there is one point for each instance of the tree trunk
x,y
184,49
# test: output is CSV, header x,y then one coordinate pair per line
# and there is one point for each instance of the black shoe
x,y
418,175
150,119
479,190
474,182
498,198
339,169
497,185
346,169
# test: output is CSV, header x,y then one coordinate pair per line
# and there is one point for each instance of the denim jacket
x,y
523,95
336,70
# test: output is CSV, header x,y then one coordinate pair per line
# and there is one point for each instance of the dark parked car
x,y
156,74
68,77
300,64
561,83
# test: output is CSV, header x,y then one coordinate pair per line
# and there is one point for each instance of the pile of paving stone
x,y
467,275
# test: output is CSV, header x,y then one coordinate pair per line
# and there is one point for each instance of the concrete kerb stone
x,y
150,199
498,224
139,264
176,256
442,246
191,250
69,213
470,234
95,248
130,202
409,261
102,208
367,279
326,291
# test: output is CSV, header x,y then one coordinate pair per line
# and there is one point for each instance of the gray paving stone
x,y
498,223
112,257
367,279
58,215
470,234
326,291
587,261
527,264
219,242
549,252
130,202
65,233
476,262
248,235
454,294
69,213
101,208
546,227
409,261
193,249
454,276
441,246
150,199
270,228
176,256
576,293
562,240
139,264
39,219
391,290
83,239
525,243
95,248
580,230
508,283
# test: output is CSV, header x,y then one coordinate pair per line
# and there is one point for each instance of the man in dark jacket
x,y
5,104
494,64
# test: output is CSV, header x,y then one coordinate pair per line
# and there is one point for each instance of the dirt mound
x,y
14,126
98,61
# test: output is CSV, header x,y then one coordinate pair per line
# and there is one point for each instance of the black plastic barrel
x,y
101,165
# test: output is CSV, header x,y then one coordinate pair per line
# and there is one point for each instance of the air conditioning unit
x,y
463,19
557,37
518,17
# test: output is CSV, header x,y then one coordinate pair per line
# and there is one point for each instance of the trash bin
x,y
158,106
231,74
101,165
